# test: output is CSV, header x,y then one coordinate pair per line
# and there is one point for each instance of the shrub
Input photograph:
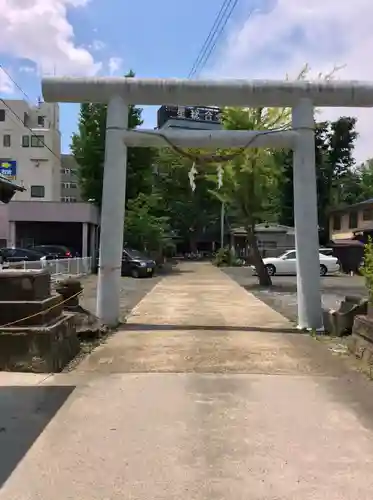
x,y
224,257
367,268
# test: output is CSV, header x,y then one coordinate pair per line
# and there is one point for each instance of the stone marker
x,y
36,334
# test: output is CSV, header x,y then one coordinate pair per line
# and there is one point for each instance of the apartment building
x,y
70,192
30,148
30,155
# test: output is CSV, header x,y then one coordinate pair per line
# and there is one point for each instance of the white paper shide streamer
x,y
192,175
220,176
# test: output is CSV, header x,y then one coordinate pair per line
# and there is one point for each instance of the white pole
x,y
222,212
112,213
84,239
305,215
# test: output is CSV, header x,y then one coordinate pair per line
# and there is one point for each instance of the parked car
x,y
136,264
16,254
286,264
329,252
58,251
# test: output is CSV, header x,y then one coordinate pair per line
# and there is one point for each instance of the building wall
x,y
270,243
70,191
342,223
33,211
37,161
190,117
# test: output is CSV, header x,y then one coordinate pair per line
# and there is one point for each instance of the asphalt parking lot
x,y
282,295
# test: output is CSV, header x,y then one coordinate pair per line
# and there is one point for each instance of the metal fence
x,y
78,266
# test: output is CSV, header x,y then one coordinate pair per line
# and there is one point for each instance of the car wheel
x,y
271,270
323,270
135,273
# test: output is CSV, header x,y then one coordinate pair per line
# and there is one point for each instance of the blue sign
x,y
8,168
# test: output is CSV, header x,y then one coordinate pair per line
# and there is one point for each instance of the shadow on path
x,y
133,327
25,411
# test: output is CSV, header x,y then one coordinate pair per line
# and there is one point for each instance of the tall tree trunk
x,y
261,270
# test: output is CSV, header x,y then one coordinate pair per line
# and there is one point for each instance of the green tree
x,y
251,176
144,227
361,183
335,176
190,214
88,148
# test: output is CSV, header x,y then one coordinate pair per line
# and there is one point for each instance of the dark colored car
x,y
21,255
136,264
57,251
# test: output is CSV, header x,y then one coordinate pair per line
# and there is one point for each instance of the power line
x,y
219,33
14,82
221,20
20,121
218,18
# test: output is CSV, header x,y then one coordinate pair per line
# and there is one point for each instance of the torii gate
x,y
301,96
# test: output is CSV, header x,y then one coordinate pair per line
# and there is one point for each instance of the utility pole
x,y
222,215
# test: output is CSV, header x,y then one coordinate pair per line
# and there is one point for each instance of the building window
x,y
352,220
6,141
73,185
68,199
2,115
336,222
65,185
37,191
37,141
368,214
65,171
25,141
41,121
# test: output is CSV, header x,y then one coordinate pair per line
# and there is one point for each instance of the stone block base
x,y
39,349
361,341
339,323
31,313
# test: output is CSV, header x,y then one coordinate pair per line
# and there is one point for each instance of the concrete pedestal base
x,y
39,349
361,341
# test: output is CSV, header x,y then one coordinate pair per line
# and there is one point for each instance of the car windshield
x,y
134,254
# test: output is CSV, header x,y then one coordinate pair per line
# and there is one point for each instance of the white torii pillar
x,y
118,93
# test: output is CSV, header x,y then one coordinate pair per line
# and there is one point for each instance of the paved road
x,y
282,296
206,394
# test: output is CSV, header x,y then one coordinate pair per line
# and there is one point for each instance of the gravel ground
x,y
283,297
131,292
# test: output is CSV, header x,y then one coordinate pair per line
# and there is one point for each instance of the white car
x,y
287,264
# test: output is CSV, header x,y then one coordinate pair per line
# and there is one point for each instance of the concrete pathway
x,y
204,395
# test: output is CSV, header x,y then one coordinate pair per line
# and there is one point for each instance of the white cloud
x,y
6,84
27,69
115,64
98,45
39,30
323,33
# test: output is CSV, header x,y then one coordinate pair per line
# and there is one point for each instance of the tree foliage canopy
x,y
88,148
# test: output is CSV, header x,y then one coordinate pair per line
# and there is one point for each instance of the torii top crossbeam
x,y
255,93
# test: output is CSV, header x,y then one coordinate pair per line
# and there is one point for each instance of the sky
x,y
162,38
